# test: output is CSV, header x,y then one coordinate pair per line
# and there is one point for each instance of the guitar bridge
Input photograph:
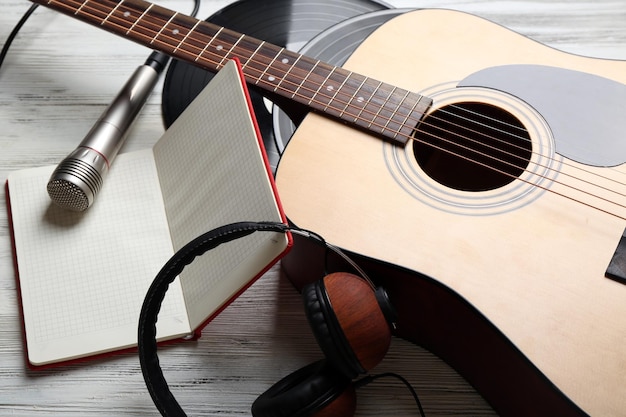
x,y
617,267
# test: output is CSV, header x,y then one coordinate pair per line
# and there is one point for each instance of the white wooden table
x,y
57,79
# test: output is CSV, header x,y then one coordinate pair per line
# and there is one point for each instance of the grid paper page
x,y
212,173
83,276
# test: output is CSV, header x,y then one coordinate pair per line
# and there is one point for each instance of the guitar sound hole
x,y
472,146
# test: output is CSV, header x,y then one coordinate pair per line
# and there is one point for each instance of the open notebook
x,y
82,276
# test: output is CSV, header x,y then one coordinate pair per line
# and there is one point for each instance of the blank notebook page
x,y
83,276
213,172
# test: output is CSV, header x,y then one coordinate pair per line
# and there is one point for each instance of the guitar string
x,y
140,23
526,139
491,137
232,50
522,148
160,27
533,152
518,147
519,157
516,156
223,58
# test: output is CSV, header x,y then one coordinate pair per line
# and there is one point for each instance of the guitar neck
x,y
382,109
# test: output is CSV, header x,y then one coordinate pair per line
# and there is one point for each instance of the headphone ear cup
x,y
317,390
347,322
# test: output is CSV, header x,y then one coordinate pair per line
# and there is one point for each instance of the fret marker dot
x,y
219,47
127,14
271,78
285,61
360,99
175,32
330,88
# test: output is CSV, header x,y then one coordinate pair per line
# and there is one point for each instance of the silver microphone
x,y
79,177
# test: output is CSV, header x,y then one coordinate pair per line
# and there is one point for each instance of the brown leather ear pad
x,y
327,330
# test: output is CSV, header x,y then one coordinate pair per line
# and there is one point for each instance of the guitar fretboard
x,y
380,108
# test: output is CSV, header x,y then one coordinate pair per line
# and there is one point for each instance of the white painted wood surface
x,y
57,79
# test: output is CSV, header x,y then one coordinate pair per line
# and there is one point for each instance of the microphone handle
x,y
78,178
107,135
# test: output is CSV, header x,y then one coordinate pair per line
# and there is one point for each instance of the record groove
x,y
286,23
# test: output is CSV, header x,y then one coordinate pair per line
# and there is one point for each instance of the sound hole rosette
x,y
536,178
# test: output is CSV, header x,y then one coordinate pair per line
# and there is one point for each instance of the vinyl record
x,y
286,23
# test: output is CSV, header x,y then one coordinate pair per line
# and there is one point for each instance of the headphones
x,y
350,318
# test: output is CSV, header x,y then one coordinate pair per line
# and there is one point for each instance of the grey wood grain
x,y
58,78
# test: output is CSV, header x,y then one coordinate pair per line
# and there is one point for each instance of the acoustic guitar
x,y
479,177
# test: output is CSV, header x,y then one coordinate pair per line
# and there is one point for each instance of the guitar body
x,y
503,278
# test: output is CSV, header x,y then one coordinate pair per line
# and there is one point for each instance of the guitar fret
x,y
418,110
279,85
225,41
385,114
397,106
392,122
260,62
380,108
304,80
206,47
252,54
331,97
230,50
163,28
243,66
391,119
383,109
269,66
319,88
367,101
174,32
382,112
194,40
383,101
79,12
358,99
367,104
182,41
337,90
140,17
409,113
112,12
81,7
284,64
123,17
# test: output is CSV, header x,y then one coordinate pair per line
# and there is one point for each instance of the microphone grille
x,y
74,184
67,195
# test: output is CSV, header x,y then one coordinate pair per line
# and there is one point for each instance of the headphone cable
x,y
161,62
370,378
14,32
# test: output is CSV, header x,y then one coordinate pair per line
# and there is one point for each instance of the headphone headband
x,y
147,345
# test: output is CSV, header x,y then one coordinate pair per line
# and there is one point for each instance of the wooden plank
x,y
58,78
